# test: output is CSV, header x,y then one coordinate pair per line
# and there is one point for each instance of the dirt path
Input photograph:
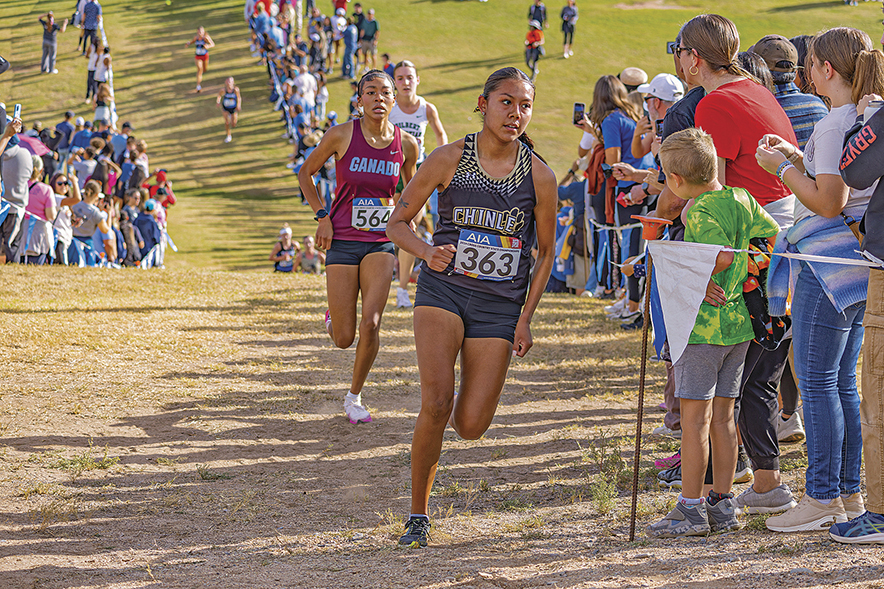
x,y
184,430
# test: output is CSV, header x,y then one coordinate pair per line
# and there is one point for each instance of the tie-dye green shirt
x,y
730,218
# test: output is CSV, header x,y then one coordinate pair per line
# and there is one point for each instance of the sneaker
x,y
790,430
865,529
616,307
774,501
327,319
607,296
356,413
722,516
199,88
630,316
670,478
808,516
665,431
743,473
402,300
635,325
684,520
570,52
664,463
54,71
853,505
417,532
565,55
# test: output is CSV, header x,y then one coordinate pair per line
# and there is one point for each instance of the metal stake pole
x,y
641,398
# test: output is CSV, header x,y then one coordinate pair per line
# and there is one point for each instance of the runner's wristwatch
x,y
320,214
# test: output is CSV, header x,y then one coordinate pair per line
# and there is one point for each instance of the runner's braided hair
x,y
498,78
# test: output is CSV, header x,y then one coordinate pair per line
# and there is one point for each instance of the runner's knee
x,y
369,327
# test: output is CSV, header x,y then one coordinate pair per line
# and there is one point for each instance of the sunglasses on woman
x,y
63,183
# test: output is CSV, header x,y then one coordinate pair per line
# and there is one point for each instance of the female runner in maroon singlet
x,y
371,153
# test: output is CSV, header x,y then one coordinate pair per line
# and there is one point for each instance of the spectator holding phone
x,y
616,116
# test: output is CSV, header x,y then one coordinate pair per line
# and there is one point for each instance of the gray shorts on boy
x,y
705,371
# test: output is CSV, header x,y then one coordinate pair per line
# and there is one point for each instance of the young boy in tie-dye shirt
x,y
708,374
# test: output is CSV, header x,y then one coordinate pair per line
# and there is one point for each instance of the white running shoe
x,y
570,52
616,307
402,300
228,139
356,413
198,88
54,71
790,430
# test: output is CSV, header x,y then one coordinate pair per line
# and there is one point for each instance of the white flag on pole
x,y
683,271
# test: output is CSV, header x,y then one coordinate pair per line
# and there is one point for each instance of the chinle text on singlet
x,y
506,222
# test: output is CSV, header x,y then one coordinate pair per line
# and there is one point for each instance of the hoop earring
x,y
694,70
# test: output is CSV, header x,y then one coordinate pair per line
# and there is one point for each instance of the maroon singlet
x,y
367,176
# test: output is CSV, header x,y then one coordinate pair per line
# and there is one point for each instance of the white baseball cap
x,y
665,87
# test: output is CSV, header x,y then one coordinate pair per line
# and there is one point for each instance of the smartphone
x,y
16,111
607,170
579,111
670,46
658,127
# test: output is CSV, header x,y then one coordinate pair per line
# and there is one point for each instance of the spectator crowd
x,y
82,191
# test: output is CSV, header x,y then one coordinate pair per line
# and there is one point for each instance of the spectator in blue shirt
x,y
82,138
804,110
91,22
66,130
351,37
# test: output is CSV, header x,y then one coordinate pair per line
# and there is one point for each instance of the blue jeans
x,y
827,346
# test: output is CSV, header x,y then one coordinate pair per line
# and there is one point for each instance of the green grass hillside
x,y
235,196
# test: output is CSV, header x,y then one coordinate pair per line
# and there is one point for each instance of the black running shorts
x,y
483,314
350,253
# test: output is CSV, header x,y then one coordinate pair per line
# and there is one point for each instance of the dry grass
x,y
199,413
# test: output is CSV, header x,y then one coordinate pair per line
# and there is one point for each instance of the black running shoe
x,y
670,478
636,324
417,532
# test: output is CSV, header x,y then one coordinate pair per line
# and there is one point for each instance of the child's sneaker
x,y
417,532
664,463
853,505
670,478
774,501
722,516
684,520
808,516
665,431
865,529
355,412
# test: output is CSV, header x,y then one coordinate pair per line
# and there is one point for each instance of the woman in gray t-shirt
x,y
91,216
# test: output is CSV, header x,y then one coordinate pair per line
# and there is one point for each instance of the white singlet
x,y
415,124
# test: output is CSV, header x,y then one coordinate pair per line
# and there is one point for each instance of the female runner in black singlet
x,y
370,154
495,198
230,101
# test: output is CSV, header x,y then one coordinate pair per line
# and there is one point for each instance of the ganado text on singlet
x,y
373,166
506,222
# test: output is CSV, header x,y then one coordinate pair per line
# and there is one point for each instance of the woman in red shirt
x,y
738,111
